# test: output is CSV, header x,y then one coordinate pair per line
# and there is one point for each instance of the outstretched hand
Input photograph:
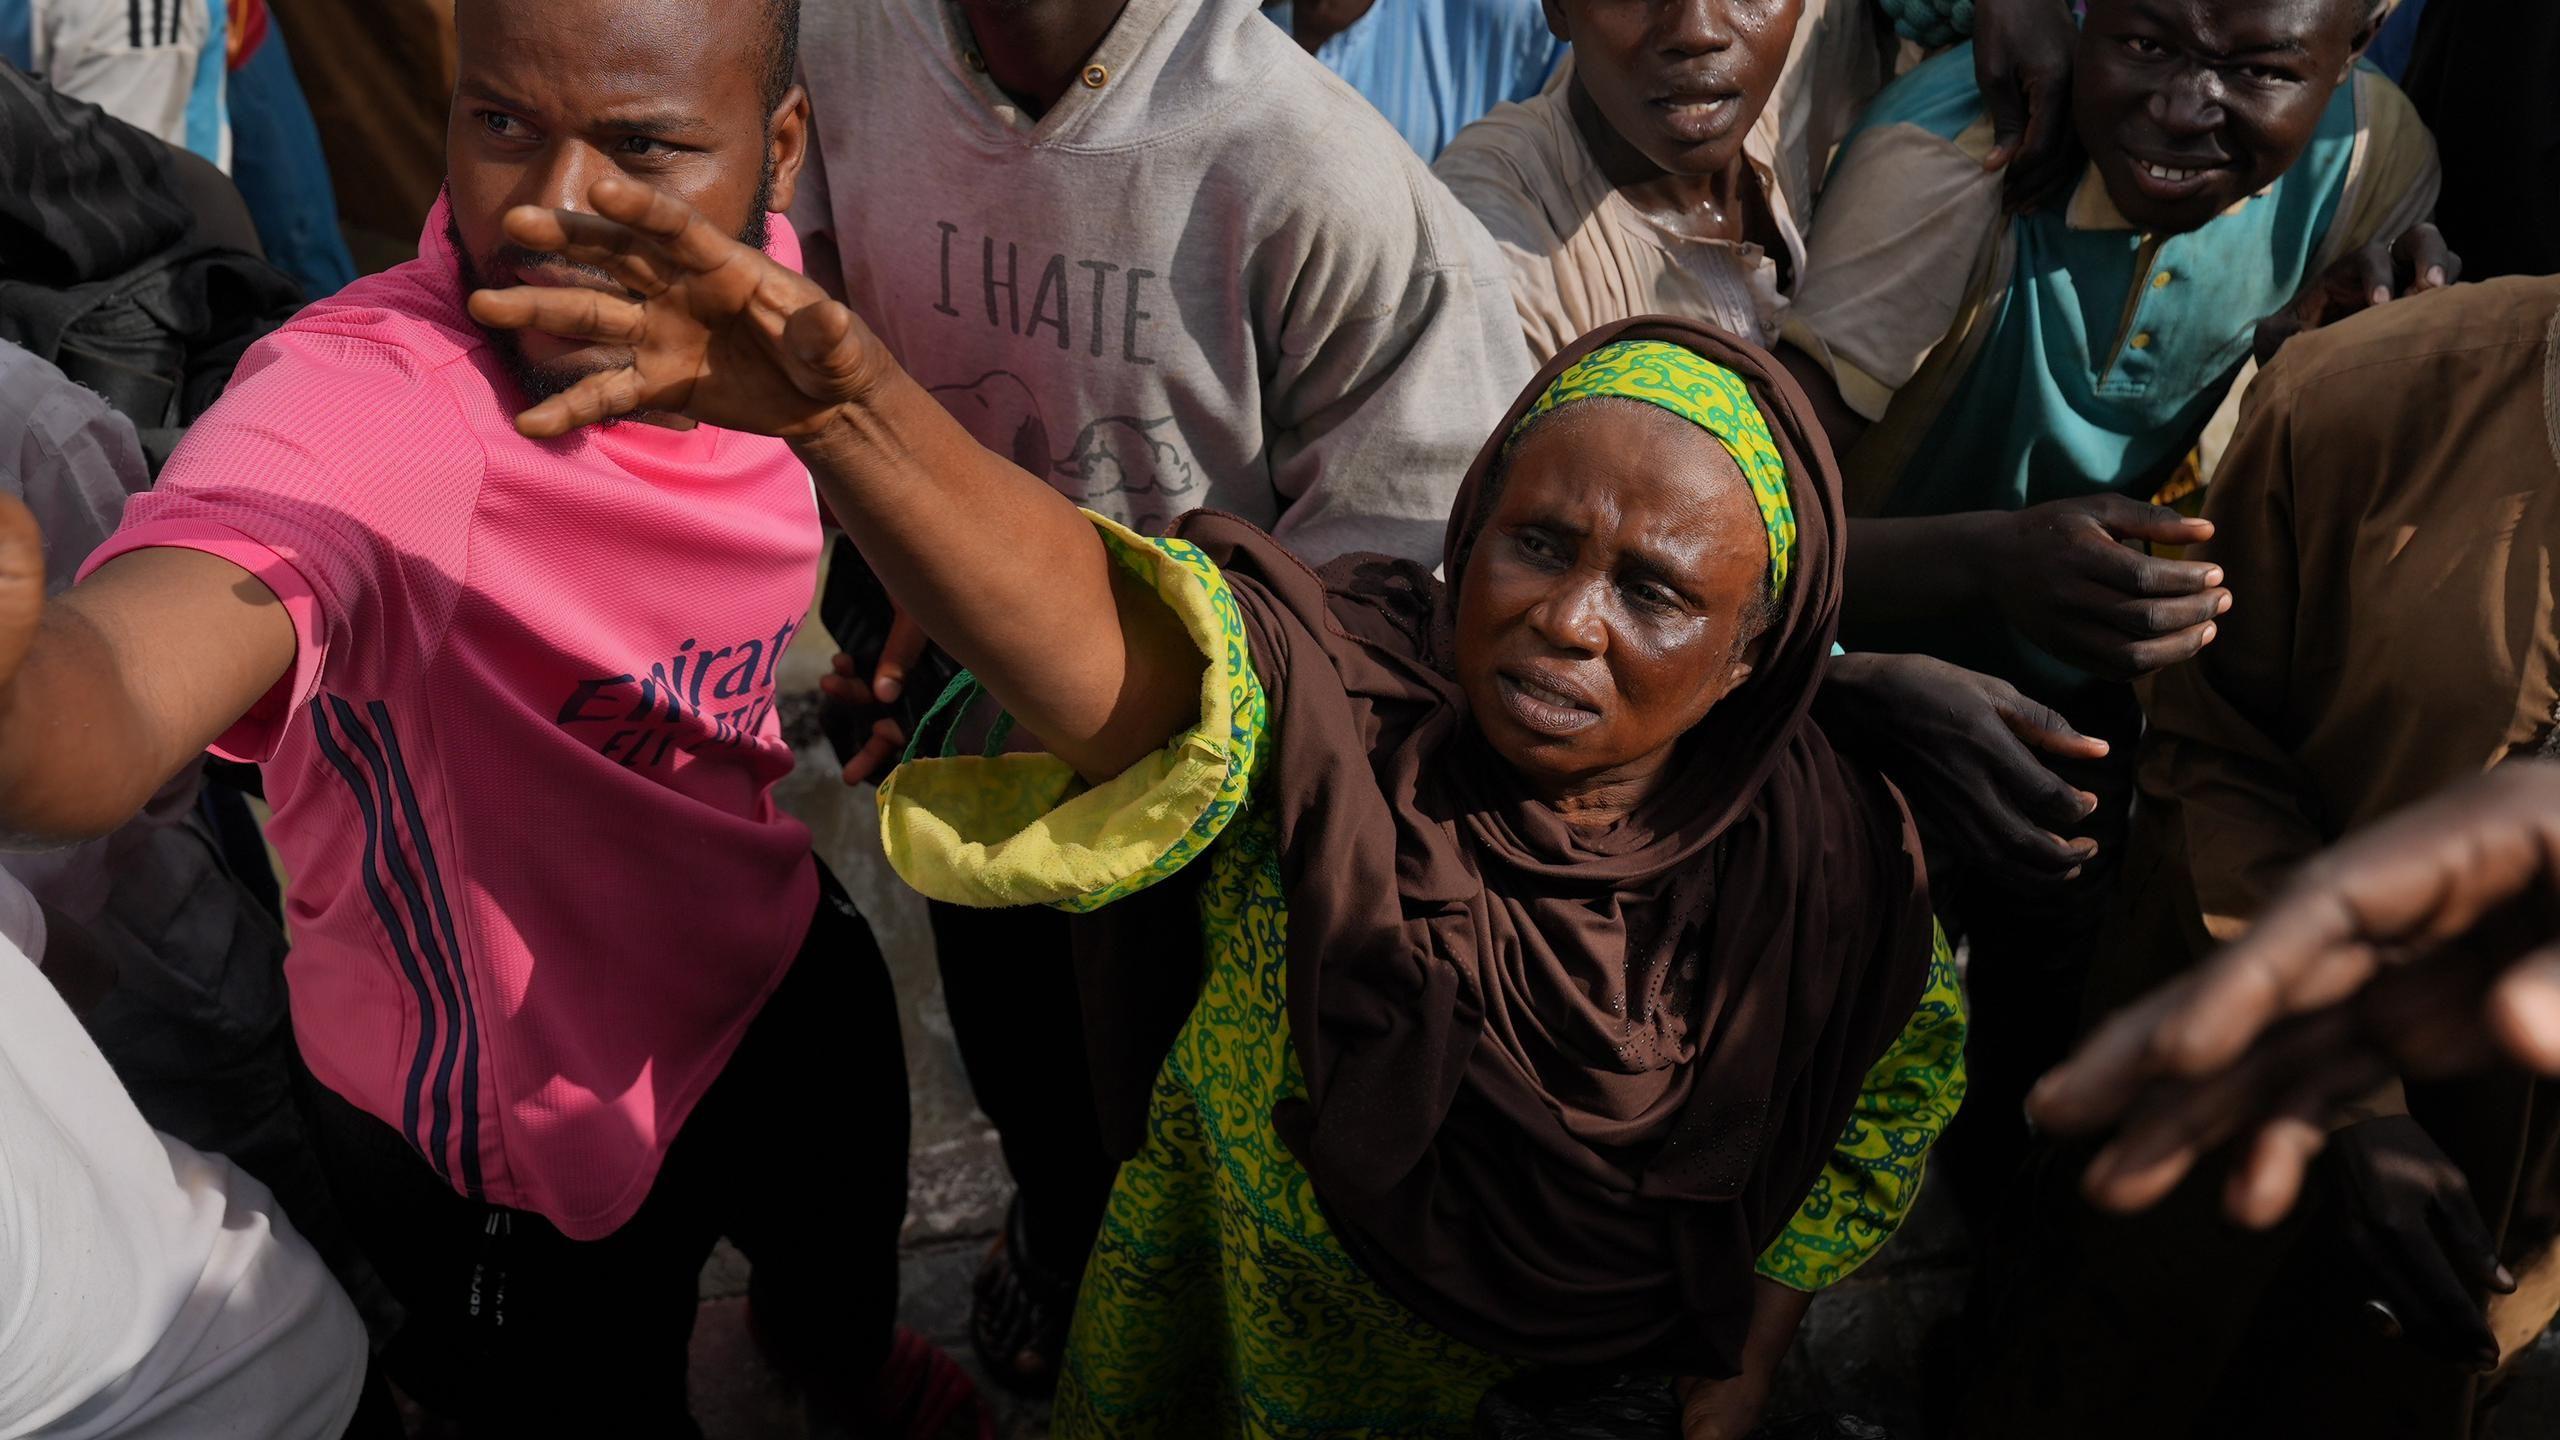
x,y
2428,945
714,330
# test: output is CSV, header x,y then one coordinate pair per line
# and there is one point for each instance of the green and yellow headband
x,y
1706,395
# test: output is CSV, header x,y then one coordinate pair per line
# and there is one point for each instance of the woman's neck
x,y
1599,802
1721,206
1034,49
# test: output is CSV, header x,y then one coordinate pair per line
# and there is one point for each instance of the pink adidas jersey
x,y
523,768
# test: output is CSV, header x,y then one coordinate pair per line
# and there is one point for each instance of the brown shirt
x,y
2388,517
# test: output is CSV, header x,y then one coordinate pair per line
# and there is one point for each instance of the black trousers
x,y
797,1154
1010,984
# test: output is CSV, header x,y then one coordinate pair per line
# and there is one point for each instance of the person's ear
x,y
1555,19
788,146
1750,655
1742,667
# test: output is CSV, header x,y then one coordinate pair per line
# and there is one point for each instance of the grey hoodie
x,y
1210,275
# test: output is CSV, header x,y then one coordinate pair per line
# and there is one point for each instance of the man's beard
x,y
541,380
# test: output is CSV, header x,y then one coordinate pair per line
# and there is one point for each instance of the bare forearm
x,y
1004,573
1777,1312
131,674
76,756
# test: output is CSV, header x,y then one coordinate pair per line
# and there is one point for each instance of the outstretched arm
x,y
106,692
993,564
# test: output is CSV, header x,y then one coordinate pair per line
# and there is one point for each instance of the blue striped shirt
x,y
1433,67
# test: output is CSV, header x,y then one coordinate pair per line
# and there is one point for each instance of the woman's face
x,y
1681,81
1605,606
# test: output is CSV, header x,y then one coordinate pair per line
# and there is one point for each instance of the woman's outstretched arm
x,y
996,566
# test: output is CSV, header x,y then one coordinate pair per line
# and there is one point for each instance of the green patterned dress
x,y
1218,1302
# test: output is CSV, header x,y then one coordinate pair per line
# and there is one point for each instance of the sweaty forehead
x,y
2232,27
614,55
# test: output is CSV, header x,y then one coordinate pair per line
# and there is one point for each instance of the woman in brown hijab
x,y
1528,982
1559,998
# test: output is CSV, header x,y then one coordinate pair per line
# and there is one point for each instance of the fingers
x,y
633,258
2468,1245
2131,661
844,681
694,242
2178,1123
2042,727
591,401
2107,1074
644,236
827,339
2019,781
2371,269
2272,334
2003,841
571,314
2267,1183
2423,255
878,755
2524,1011
2038,158
2296,958
21,583
2135,520
2011,115
2154,616
2436,1310
897,656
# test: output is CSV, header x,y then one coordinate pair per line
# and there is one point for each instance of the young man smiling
x,y
2008,386
1988,361
567,979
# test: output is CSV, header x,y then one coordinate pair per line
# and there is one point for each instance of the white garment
x,y
1209,275
138,60
147,1292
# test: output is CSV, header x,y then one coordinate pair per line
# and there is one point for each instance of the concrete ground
x,y
1861,1352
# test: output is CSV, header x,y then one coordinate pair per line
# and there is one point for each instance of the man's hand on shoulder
x,y
2361,280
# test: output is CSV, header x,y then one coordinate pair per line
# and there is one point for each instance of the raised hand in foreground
x,y
2429,945
991,562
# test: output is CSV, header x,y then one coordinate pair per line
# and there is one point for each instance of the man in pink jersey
x,y
569,983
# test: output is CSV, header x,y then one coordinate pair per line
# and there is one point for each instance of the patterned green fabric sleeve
x,y
1875,1172
1025,830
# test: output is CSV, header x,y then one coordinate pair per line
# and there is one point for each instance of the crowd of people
x,y
1527,653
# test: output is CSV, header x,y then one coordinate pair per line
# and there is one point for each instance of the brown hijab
x,y
1563,1087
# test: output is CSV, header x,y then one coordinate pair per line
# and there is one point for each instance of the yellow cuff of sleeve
x,y
1024,829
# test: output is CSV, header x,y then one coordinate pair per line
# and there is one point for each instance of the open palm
x,y
715,330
